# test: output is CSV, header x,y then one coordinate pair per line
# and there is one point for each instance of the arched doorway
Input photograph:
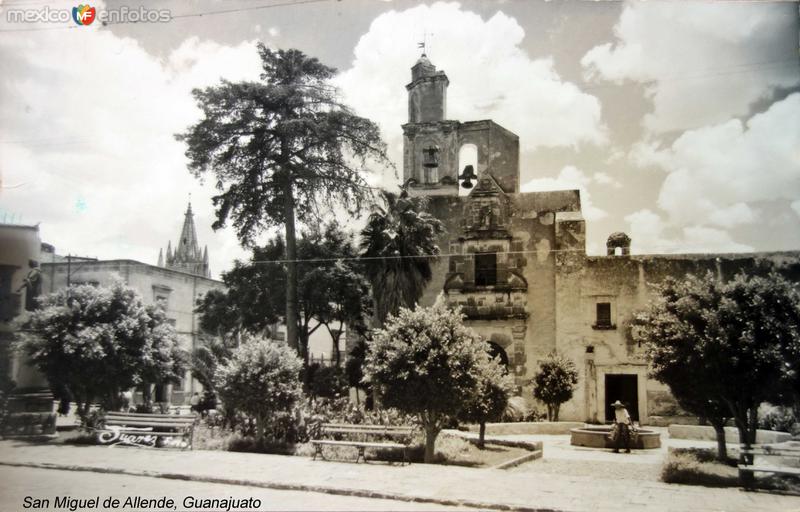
x,y
496,350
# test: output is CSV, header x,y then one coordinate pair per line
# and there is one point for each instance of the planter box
x,y
706,433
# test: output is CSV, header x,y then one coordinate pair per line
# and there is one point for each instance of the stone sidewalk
x,y
481,488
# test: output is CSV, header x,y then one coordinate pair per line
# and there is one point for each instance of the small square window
x,y
486,269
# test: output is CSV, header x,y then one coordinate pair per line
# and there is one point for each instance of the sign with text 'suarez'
x,y
144,439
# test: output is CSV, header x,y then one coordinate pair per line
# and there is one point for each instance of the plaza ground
x,y
567,478
17,483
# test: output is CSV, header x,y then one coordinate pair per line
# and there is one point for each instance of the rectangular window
x,y
603,314
486,269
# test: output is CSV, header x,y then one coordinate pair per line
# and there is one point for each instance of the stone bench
x,y
362,437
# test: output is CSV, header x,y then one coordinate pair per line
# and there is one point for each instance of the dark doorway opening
x,y
496,350
625,389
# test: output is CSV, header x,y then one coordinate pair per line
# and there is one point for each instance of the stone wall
x,y
626,282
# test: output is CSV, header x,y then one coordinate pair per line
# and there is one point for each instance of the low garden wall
x,y
706,433
529,428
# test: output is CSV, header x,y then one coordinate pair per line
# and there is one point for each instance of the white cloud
x,y
796,207
604,178
101,168
490,77
651,235
703,62
569,178
718,173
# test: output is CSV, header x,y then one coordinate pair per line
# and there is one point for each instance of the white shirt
x,y
621,415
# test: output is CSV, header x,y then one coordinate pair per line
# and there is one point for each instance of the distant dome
x,y
618,239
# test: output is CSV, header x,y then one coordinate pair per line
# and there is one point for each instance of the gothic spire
x,y
187,256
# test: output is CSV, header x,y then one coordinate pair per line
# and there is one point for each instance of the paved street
x,y
488,488
17,483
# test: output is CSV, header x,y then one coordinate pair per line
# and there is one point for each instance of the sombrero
x,y
617,404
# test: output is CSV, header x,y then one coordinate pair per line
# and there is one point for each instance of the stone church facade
x,y
516,262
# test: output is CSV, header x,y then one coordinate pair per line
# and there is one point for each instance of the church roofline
x,y
99,263
793,254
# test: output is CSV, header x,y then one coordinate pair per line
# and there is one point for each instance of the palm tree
x,y
398,245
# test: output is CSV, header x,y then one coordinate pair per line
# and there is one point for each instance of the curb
x,y
537,454
358,493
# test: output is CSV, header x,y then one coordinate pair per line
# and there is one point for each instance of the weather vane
x,y
424,45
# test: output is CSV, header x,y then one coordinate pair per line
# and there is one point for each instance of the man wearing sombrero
x,y
621,432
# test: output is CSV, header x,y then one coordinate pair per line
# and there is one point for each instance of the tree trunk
x,y
358,403
302,346
482,435
722,448
337,354
260,429
430,442
556,408
291,267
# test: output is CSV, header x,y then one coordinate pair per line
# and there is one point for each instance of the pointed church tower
x,y
187,256
161,257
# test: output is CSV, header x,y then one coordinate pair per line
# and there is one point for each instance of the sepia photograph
x,y
406,255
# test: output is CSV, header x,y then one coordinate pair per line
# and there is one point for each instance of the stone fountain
x,y
597,436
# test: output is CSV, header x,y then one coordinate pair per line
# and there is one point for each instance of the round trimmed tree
x,y
426,362
554,383
94,342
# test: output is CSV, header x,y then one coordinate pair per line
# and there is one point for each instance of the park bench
x,y
748,464
363,437
147,430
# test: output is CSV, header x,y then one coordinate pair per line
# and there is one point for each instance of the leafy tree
x,y
398,244
738,340
554,383
279,143
332,293
95,342
425,362
254,298
489,401
260,379
348,300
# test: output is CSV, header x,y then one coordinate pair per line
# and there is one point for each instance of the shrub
x,y
778,418
698,467
260,380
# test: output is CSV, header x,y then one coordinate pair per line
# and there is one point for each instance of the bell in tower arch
x,y
466,177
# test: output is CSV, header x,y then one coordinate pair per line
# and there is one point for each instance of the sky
x,y
678,121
